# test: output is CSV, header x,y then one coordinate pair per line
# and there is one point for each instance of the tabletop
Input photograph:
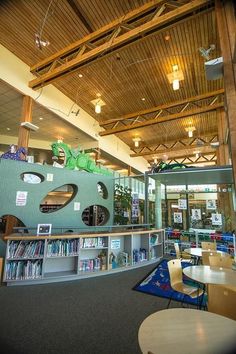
x,y
211,275
197,252
187,331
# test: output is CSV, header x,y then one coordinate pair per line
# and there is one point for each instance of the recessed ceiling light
x,y
8,128
143,99
40,118
80,75
167,37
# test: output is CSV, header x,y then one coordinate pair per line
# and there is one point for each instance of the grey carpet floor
x,y
99,315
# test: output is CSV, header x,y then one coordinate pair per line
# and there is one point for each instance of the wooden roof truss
x,y
164,113
173,146
203,158
135,25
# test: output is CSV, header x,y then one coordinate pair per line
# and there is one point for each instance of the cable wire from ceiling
x,y
41,28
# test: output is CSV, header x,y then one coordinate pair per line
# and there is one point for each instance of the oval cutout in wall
x,y
8,222
102,190
32,177
58,198
95,215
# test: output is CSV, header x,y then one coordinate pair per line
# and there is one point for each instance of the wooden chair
x,y
221,300
206,255
183,256
209,246
220,261
176,281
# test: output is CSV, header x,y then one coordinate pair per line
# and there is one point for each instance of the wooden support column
x,y
225,205
129,170
24,133
223,150
225,16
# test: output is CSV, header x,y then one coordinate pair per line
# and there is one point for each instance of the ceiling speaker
x,y
214,68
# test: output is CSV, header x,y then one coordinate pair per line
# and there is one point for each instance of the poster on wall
x,y
196,214
211,204
115,244
49,177
216,219
21,198
76,206
182,203
135,205
178,218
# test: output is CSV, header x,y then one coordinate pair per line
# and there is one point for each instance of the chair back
x,y
206,255
177,250
221,300
175,271
219,261
209,246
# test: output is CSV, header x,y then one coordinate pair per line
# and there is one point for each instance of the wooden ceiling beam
x,y
108,47
78,12
160,108
188,160
164,119
204,155
166,151
181,143
105,30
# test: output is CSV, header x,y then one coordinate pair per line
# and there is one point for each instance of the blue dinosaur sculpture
x,y
15,154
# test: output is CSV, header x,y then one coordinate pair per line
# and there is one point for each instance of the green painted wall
x,y
30,215
2,248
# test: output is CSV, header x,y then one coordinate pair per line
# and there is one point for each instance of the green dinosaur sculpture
x,y
76,159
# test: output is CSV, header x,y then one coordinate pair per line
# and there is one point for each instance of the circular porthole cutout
x,y
102,190
95,215
32,177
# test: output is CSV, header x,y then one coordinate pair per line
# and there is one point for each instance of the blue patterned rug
x,y
157,283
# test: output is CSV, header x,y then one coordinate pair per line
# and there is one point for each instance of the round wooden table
x,y
197,252
187,331
211,275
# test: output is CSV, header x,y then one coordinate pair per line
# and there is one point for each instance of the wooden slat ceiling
x,y
125,77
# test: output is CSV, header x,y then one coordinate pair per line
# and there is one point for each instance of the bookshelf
x,y
41,259
187,239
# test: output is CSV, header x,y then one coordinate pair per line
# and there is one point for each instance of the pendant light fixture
x,y
98,103
98,108
136,141
190,131
175,77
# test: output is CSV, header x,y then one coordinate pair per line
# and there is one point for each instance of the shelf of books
x,y
224,240
156,245
93,254
62,257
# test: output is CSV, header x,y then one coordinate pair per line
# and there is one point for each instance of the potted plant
x,y
122,204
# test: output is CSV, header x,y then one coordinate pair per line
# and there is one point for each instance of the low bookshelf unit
x,y
43,259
